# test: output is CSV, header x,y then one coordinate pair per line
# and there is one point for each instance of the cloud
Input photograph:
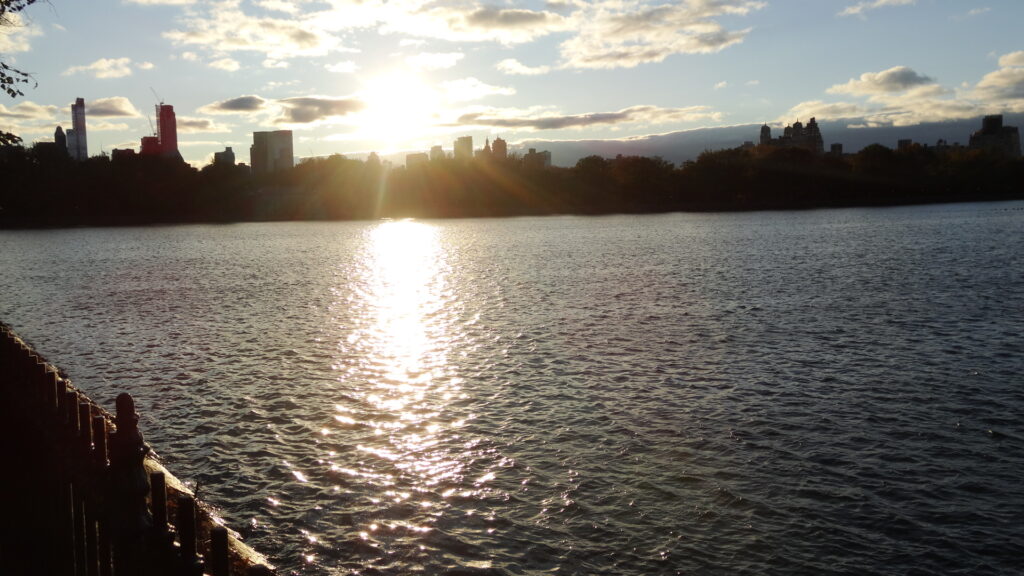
x,y
104,68
226,64
902,97
627,33
345,67
239,105
16,36
512,66
225,27
1004,86
722,84
191,125
631,115
860,8
161,2
113,107
435,60
1012,59
467,89
895,79
459,22
145,65
312,109
29,110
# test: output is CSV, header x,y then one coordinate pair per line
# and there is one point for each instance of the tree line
x,y
42,187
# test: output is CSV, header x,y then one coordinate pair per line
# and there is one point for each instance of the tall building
x,y
271,152
499,149
78,146
436,153
167,131
796,136
225,158
994,137
61,140
464,148
165,142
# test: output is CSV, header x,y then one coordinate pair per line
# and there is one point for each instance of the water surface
x,y
820,392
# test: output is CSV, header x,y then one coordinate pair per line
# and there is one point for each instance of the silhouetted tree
x,y
11,78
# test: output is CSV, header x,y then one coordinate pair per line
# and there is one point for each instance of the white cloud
x,y
112,107
860,8
627,33
226,27
272,63
902,97
192,125
345,67
722,84
514,67
16,36
468,89
1012,59
104,68
240,105
29,110
161,2
546,120
435,60
895,79
189,56
226,64
144,65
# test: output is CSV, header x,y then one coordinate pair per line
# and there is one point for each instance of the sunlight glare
x,y
400,107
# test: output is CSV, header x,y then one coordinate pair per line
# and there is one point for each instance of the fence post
x,y
217,562
101,475
191,564
129,485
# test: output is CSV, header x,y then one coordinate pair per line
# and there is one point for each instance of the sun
x,y
400,109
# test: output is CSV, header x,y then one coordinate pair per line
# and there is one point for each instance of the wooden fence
x,y
82,494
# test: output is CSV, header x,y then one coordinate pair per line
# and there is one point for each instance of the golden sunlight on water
x,y
399,387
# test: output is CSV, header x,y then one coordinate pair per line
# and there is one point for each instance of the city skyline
x,y
387,77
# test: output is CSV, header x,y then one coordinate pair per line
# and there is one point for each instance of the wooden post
x,y
128,487
191,564
217,563
86,461
100,474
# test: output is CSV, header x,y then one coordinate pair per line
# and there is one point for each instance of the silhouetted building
x,y
534,159
485,152
994,137
167,131
225,158
464,148
796,136
78,146
150,146
61,140
836,149
904,144
436,153
271,152
118,154
499,149
417,159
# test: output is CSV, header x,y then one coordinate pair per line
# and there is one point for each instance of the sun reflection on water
x,y
399,386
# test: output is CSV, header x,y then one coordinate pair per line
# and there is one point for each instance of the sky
x,y
354,76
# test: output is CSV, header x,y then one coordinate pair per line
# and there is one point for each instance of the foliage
x,y
45,188
11,78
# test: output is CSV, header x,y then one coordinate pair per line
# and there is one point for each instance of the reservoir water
x,y
820,392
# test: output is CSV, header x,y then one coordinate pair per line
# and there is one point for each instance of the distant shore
x,y
43,191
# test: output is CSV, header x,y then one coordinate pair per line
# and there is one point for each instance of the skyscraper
x,y
271,152
61,140
167,131
464,148
77,145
